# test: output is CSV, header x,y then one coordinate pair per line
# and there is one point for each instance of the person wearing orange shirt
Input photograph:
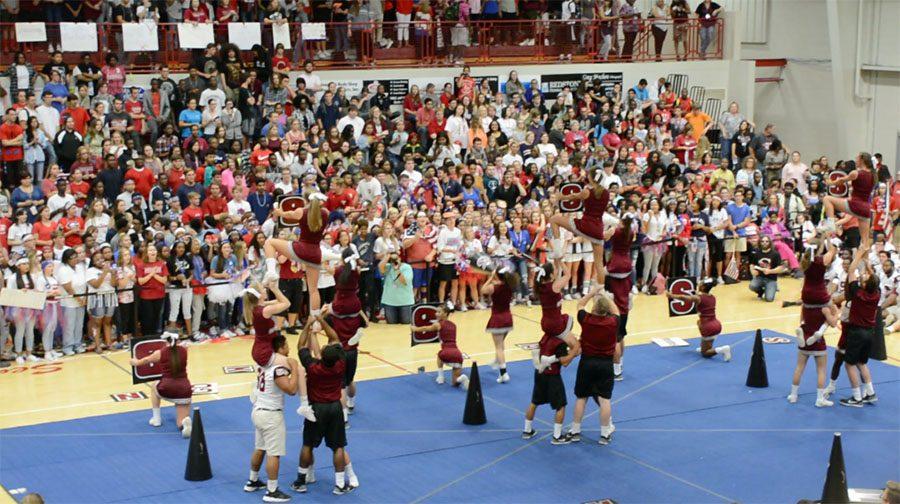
x,y
699,120
79,115
193,211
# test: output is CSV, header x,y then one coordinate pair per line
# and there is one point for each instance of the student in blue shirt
x,y
58,90
521,242
735,234
188,117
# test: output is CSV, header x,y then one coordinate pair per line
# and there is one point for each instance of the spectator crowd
x,y
135,210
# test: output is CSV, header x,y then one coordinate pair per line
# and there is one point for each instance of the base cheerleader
x,y
306,250
549,387
500,286
709,325
550,285
449,353
817,314
619,283
348,320
590,225
174,386
595,378
862,181
259,312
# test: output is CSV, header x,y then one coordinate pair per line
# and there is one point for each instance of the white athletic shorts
x,y
271,435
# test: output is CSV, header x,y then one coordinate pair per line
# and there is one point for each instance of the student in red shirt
x,y
72,226
339,197
135,107
152,276
193,211
214,204
12,140
5,223
79,115
143,178
44,227
79,188
176,174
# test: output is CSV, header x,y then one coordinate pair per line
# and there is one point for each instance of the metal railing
x,y
429,44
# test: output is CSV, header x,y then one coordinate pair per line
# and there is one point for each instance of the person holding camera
x,y
397,297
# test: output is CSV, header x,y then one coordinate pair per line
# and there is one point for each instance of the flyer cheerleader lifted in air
x,y
590,225
305,251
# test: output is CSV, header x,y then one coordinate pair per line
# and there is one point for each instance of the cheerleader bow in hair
x,y
598,176
539,274
353,261
504,270
253,292
170,337
318,196
484,262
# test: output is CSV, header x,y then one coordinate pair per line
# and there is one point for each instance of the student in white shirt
x,y
449,245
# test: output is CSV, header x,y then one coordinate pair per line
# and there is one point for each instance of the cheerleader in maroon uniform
x,y
305,251
449,353
619,283
348,320
258,312
549,387
817,314
595,378
590,225
862,182
174,386
709,325
500,286
550,285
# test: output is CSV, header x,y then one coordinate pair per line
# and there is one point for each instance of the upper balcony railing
x,y
438,43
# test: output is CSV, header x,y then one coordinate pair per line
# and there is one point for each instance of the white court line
x,y
157,432
670,475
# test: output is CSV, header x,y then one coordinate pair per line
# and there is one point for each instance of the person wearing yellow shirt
x,y
724,174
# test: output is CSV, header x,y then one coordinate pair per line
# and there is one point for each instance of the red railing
x,y
486,42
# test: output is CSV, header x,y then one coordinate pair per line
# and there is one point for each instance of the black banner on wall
x,y
397,89
552,84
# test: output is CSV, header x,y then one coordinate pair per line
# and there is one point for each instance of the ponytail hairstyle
x,y
510,278
602,305
251,301
705,287
544,273
627,224
595,176
175,363
867,162
314,213
347,267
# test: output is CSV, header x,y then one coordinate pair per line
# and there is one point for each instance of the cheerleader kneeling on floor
x,y
709,325
174,386
449,353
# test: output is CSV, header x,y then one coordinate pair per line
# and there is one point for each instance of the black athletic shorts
x,y
329,425
716,249
446,272
548,389
350,363
623,330
859,344
293,290
851,238
594,378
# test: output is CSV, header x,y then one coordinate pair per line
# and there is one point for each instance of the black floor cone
x,y
878,350
756,375
835,490
474,414
197,468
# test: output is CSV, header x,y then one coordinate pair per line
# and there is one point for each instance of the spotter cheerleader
x,y
306,250
619,283
500,287
590,225
862,182
550,286
174,386
709,325
258,311
817,314
595,378
449,353
549,387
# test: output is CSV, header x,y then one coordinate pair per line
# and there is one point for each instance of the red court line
x,y
389,363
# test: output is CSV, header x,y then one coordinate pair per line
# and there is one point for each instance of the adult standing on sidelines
x,y
863,293
280,376
595,378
